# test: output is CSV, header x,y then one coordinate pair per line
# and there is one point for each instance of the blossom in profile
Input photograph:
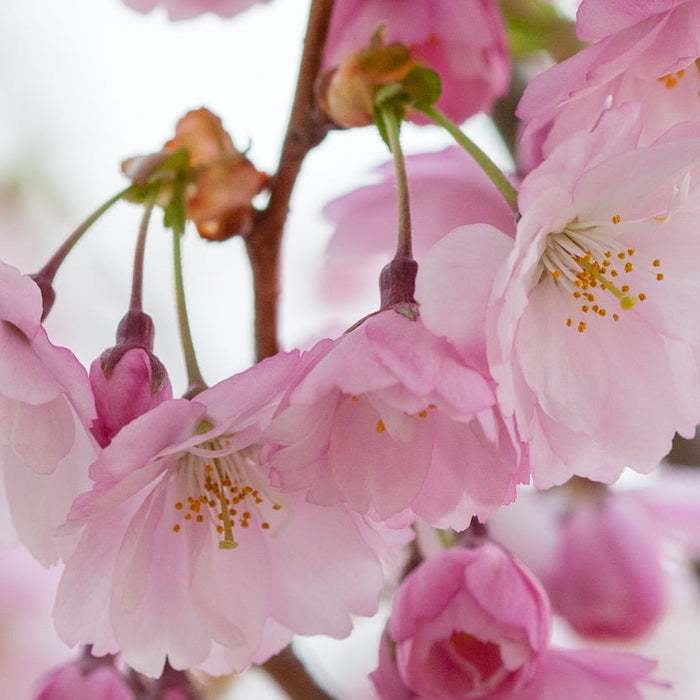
x,y
475,623
645,52
387,418
187,552
187,9
46,409
463,41
592,326
607,579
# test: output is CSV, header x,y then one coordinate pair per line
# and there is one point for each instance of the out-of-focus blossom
x,y
593,327
388,418
187,9
188,553
448,189
607,578
463,41
648,52
474,623
29,645
86,679
602,553
46,407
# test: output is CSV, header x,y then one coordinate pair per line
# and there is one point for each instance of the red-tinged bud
x,y
127,379
87,678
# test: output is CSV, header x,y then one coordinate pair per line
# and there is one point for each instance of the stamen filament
x,y
626,301
228,542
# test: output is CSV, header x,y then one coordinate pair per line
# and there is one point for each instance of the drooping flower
x,y
602,553
593,327
462,41
606,577
187,9
46,408
646,52
388,418
188,553
474,623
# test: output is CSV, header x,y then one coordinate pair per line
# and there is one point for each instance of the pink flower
x,y
463,41
128,390
448,189
647,53
81,681
593,324
45,406
188,553
467,623
606,578
474,623
387,417
187,9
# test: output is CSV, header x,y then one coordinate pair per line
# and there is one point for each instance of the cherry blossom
x,y
187,551
475,623
463,41
647,53
592,327
187,9
606,578
387,417
46,408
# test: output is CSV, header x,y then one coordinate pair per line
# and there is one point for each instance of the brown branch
x,y
306,129
293,678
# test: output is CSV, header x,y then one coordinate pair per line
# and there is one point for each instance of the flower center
x,y
590,265
224,487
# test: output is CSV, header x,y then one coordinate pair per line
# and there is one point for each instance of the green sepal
x,y
175,211
423,85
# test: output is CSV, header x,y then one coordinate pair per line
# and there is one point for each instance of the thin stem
x,y
194,376
487,165
48,272
137,279
293,678
306,129
392,126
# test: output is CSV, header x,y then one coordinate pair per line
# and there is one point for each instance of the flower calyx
x,y
376,76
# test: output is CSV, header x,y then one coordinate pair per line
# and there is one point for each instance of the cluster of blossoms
x,y
548,333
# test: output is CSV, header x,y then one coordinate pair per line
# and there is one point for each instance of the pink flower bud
x,y
608,581
74,682
133,385
467,623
